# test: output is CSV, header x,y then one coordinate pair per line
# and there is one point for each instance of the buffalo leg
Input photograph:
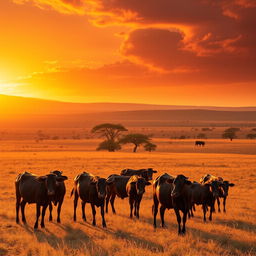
x,y
218,202
59,210
75,205
214,204
162,211
22,206
50,210
191,211
17,207
107,201
43,214
211,211
102,216
178,219
224,204
138,208
184,219
93,214
37,215
204,210
155,211
112,201
83,210
131,202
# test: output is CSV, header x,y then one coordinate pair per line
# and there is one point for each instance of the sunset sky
x,y
185,52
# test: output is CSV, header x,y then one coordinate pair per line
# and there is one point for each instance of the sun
x,y
7,88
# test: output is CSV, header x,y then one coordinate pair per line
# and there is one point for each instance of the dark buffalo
x,y
59,195
91,189
185,194
147,174
181,200
199,143
223,189
162,188
116,187
135,188
35,189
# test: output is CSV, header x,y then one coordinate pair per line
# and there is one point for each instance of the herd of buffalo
x,y
169,192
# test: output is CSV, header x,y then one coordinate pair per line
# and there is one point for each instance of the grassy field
x,y
233,233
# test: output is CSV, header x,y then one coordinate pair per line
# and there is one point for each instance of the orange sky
x,y
149,51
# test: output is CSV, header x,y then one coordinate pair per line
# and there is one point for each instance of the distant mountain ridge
x,y
15,105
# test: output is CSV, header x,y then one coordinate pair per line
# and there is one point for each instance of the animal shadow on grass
x,y
238,224
74,239
237,247
139,242
150,220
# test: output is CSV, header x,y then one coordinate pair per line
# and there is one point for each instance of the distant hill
x,y
14,105
29,112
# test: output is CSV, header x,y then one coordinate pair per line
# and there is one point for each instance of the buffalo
x,y
91,189
59,195
116,187
199,143
40,190
162,188
185,194
181,200
135,189
223,188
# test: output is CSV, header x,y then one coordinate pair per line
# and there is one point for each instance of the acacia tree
x,y
111,133
150,147
135,138
230,133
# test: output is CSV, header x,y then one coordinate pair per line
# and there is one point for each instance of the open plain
x,y
233,233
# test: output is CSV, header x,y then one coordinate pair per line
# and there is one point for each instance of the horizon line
x,y
113,102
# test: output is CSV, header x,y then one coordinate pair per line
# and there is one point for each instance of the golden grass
x,y
232,233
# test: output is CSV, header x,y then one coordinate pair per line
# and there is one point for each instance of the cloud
x,y
199,41
62,6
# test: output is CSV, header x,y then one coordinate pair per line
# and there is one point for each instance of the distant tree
x,y
206,129
41,136
251,136
150,147
111,133
135,138
230,133
109,145
201,136
76,137
182,137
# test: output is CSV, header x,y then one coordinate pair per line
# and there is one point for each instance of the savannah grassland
x,y
233,233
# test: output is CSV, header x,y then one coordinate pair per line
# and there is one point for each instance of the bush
x,y
201,136
109,145
251,136
150,147
206,129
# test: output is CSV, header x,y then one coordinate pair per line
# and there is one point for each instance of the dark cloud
x,y
167,50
